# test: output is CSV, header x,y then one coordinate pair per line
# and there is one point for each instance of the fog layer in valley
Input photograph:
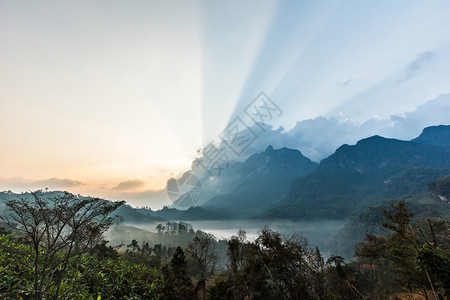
x,y
316,232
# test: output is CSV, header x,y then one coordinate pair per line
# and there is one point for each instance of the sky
x,y
112,98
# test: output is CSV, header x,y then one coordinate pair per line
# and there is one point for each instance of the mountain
x,y
262,180
195,187
356,177
441,189
435,135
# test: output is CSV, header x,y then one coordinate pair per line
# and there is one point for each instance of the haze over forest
x,y
225,150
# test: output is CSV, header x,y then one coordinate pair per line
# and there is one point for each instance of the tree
x,y
179,268
160,228
237,252
178,284
134,246
203,252
339,280
438,268
286,264
59,229
398,250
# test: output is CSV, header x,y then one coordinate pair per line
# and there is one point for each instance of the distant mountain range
x,y
283,183
354,185
126,211
358,176
243,189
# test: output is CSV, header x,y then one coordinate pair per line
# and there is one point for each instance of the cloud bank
x,y
21,184
319,137
128,185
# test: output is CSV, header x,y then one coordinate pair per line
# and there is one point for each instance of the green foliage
x,y
276,267
404,253
145,254
115,279
221,289
90,277
425,206
406,259
438,266
102,250
58,229
177,282
15,280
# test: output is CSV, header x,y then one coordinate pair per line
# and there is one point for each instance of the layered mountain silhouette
x,y
359,176
262,180
283,183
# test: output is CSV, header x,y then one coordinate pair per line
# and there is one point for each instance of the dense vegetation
x,y
405,259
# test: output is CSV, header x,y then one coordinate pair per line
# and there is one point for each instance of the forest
x,y
55,249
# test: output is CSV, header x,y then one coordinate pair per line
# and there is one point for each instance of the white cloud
x,y
410,125
22,184
129,185
319,137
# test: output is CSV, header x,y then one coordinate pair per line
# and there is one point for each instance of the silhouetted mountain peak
x,y
279,160
371,140
269,149
264,179
435,135
375,153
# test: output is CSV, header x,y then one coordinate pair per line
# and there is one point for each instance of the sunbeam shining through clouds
x,y
118,97
234,149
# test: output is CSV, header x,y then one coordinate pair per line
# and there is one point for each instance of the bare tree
x,y
59,229
203,252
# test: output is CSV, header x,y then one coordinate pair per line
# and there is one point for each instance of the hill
x,y
263,179
128,213
435,135
356,177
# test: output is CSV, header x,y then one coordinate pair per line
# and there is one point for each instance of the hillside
x,y
435,135
425,206
263,179
128,213
362,175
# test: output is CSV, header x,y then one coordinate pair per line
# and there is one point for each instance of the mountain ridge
x,y
358,176
435,135
263,178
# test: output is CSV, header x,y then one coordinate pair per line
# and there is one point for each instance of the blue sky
x,y
359,59
111,98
